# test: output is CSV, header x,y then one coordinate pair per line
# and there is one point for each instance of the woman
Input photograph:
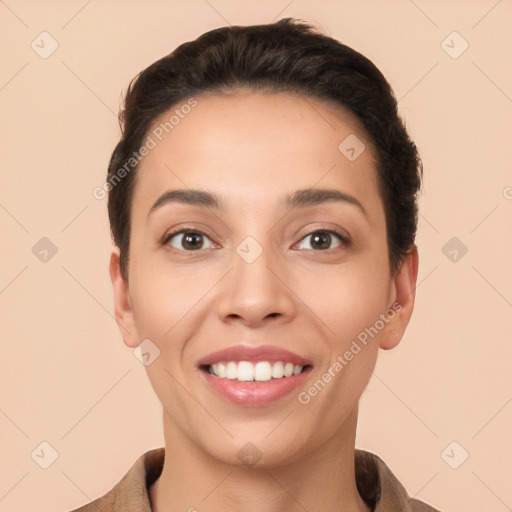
x,y
262,201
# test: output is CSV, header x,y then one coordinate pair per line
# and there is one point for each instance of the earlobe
x,y
404,288
122,304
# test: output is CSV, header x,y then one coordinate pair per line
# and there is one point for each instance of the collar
x,y
376,484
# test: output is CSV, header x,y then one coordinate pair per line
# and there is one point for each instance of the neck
x,y
320,480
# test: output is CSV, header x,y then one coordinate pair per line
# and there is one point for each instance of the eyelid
x,y
178,228
170,235
328,227
343,238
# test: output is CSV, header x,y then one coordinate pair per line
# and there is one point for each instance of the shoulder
x,y
131,492
380,488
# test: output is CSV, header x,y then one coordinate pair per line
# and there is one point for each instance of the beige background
x,y
66,376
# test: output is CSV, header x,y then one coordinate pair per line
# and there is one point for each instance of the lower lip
x,y
255,394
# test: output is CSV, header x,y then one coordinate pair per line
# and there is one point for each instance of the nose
x,y
256,293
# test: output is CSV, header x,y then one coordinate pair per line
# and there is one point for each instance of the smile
x,y
262,371
254,376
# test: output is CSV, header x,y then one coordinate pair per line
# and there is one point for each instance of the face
x,y
274,270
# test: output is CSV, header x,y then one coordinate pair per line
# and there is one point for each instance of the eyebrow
x,y
313,196
191,197
299,199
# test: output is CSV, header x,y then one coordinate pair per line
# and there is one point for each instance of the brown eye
x,y
322,240
187,240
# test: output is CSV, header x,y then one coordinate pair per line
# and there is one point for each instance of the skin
x,y
251,149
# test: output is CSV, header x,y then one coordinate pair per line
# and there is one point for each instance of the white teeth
x,y
245,371
231,370
221,369
278,370
262,371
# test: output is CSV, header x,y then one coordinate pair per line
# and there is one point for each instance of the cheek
x,y
347,299
162,296
349,303
170,307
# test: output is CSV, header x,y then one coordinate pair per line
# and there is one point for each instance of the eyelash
x,y
342,238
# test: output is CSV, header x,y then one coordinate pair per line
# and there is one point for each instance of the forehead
x,y
256,145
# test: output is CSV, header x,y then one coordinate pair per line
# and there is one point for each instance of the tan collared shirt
x,y
377,485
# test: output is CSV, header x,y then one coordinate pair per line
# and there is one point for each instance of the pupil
x,y
323,239
192,240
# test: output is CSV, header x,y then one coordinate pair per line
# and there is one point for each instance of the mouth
x,y
247,371
254,376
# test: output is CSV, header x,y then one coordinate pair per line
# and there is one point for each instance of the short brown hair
x,y
286,56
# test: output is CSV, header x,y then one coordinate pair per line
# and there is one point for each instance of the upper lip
x,y
253,354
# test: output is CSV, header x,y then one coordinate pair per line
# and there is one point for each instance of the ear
x,y
122,304
403,293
